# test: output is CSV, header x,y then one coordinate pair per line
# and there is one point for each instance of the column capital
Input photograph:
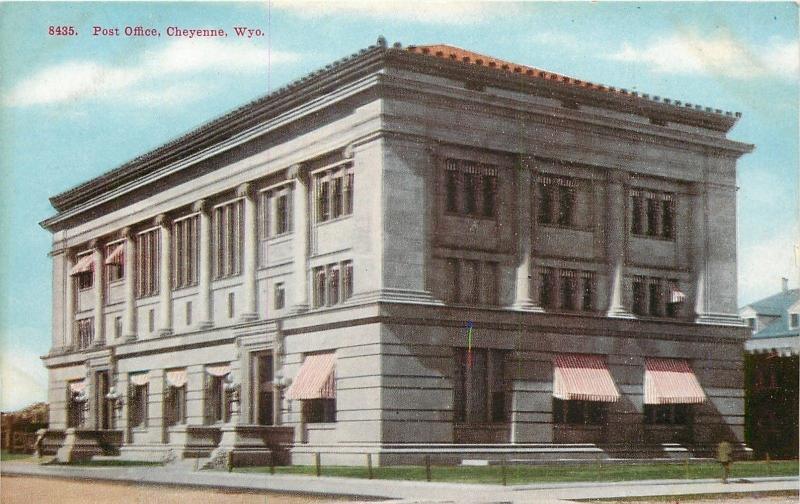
x,y
617,176
348,151
245,190
96,244
296,171
126,232
200,206
161,220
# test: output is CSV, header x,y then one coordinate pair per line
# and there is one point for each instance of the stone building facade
x,y
414,250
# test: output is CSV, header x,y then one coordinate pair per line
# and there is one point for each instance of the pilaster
x,y
301,231
616,242
99,294
523,299
205,318
129,321
165,276
69,304
250,238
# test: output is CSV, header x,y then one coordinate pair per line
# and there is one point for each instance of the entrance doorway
x,y
263,412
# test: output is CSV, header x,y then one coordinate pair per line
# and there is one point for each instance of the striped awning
x,y
77,387
117,256
176,378
84,265
219,370
583,377
671,381
316,378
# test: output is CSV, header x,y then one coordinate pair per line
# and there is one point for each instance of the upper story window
x,y
333,284
557,197
115,262
652,214
656,297
470,188
794,320
567,289
333,193
184,253
275,212
227,237
148,245
472,281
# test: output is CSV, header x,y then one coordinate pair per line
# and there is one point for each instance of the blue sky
x,y
74,107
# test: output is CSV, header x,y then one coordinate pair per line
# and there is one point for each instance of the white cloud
x,y
557,39
23,379
721,55
81,80
764,263
428,11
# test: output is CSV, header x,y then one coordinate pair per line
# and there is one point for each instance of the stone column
x,y
616,242
301,230
99,293
129,322
69,302
522,298
165,276
205,317
250,308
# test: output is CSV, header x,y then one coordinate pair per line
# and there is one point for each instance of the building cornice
x,y
294,100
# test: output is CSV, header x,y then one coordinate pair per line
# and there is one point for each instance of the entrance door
x,y
104,411
262,386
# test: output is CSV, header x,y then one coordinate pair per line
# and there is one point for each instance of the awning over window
x,y
77,387
176,378
84,265
316,378
671,381
117,256
583,377
140,379
218,370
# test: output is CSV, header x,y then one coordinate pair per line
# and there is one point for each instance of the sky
x,y
73,107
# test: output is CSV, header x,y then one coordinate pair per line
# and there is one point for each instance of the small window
x,y
175,407
470,194
578,412
319,411
333,285
489,195
639,295
794,319
347,280
654,308
188,313
282,214
323,203
667,218
348,192
587,292
280,296
667,414
636,214
231,304
338,197
85,280
569,288
452,190
117,327
546,204
547,297
319,287
652,217
566,209
151,320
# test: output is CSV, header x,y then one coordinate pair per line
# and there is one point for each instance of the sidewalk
x,y
409,491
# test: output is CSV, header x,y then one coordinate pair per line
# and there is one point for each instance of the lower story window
x,y
479,386
319,410
578,412
175,407
137,406
667,414
216,400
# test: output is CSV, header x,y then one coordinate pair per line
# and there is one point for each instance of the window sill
x,y
332,220
279,238
499,425
114,283
653,237
471,216
321,426
589,427
139,429
564,227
